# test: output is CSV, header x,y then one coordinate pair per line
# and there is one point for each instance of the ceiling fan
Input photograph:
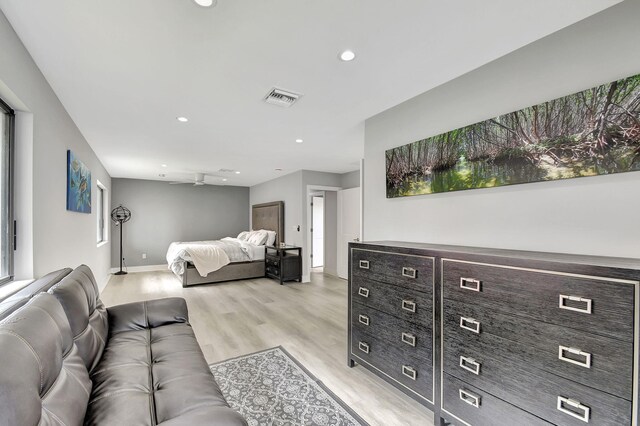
x,y
198,180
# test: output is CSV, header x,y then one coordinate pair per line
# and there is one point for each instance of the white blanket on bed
x,y
207,256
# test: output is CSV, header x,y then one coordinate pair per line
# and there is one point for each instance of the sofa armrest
x,y
147,314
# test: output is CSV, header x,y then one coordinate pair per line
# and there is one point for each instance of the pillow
x,y
244,235
272,237
258,238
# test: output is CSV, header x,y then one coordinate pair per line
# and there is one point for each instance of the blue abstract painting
x,y
78,185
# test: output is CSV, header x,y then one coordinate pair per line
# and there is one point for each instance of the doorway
x,y
317,232
320,245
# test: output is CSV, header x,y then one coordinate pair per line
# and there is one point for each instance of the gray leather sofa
x,y
65,359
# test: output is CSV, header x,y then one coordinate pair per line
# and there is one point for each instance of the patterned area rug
x,y
272,388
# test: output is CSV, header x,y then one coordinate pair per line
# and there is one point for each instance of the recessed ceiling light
x,y
299,141
225,179
347,56
206,3
182,119
237,172
163,165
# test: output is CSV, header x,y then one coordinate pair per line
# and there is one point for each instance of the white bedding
x,y
257,252
209,256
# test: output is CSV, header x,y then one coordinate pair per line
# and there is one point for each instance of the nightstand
x,y
283,263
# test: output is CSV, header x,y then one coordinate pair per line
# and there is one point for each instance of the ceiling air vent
x,y
281,97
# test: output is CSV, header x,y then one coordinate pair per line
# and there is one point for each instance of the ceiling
x,y
125,69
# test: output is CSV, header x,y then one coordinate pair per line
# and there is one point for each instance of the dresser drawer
x,y
414,373
533,390
595,305
590,359
414,272
403,303
478,408
414,339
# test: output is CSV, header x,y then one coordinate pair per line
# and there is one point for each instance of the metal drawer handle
x,y
409,272
469,398
364,264
409,339
562,350
470,324
470,364
408,305
587,304
574,408
409,372
363,319
364,292
364,347
470,284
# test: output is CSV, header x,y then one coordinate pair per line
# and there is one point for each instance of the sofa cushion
x,y
43,379
153,371
79,296
147,314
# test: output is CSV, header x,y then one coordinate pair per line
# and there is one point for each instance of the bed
x,y
267,216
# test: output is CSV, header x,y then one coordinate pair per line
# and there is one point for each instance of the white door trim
x,y
306,260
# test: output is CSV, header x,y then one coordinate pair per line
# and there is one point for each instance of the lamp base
x,y
120,273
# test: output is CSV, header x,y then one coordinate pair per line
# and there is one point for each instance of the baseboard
x,y
143,268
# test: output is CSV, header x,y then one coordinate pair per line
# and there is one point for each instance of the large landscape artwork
x,y
593,132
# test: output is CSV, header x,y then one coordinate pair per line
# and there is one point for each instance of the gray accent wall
x,y
350,179
591,215
163,213
286,188
49,236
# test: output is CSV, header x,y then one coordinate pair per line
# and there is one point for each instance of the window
x,y
6,192
102,205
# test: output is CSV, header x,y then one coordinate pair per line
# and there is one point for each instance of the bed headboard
x,y
269,216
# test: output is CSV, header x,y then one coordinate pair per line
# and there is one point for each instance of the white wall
x,y
59,238
594,215
330,233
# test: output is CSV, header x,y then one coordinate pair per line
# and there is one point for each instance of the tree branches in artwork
x,y
593,132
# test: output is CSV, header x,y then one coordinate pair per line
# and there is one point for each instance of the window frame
x,y
10,236
102,214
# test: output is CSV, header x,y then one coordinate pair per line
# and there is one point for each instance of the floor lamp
x,y
120,215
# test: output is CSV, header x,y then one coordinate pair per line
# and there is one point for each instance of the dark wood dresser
x,y
521,338
391,310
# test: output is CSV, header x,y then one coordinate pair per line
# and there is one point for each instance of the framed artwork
x,y
78,185
593,132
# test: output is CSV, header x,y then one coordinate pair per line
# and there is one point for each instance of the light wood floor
x,y
308,320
